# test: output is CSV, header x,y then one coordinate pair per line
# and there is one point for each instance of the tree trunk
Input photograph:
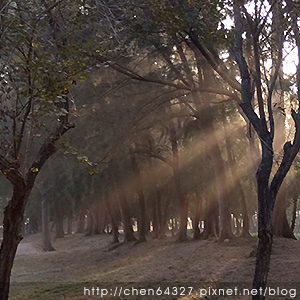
x,y
158,213
221,186
12,227
81,221
70,223
183,201
281,225
265,210
126,219
113,219
183,214
142,217
47,245
154,218
90,223
164,220
295,202
197,218
59,222
99,221
211,218
142,205
238,185
262,261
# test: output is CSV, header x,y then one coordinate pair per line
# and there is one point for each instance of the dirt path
x,y
80,259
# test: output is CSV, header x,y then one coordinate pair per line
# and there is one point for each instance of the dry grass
x,y
83,261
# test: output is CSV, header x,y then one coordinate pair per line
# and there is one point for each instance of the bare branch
x,y
246,90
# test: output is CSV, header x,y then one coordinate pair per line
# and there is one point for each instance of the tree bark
x,y
47,245
70,223
59,222
164,220
141,199
183,201
281,225
12,227
155,222
81,221
127,226
113,219
90,223
221,186
197,218
238,185
211,218
265,226
293,224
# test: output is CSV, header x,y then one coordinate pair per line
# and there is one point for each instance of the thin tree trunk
x,y
295,202
211,219
238,185
90,223
183,201
158,212
281,225
81,221
142,205
164,220
59,222
127,226
197,218
47,245
113,219
70,224
154,218
221,186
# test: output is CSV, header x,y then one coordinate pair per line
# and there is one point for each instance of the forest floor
x,y
81,261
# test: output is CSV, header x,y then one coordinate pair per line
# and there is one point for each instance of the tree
x,y
38,65
267,187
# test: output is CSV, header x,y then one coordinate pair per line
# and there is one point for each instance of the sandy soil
x,y
84,261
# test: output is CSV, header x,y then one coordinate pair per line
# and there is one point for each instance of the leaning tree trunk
x,y
14,211
12,226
